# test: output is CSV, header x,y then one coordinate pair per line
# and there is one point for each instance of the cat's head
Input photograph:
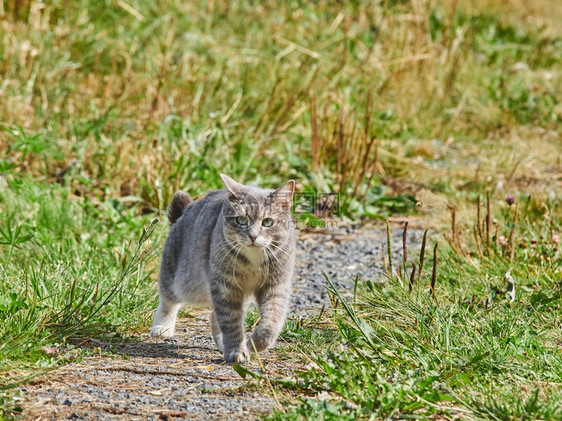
x,y
258,217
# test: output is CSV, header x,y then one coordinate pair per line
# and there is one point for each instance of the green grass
x,y
70,270
399,107
467,351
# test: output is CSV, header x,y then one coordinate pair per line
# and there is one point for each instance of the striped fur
x,y
213,258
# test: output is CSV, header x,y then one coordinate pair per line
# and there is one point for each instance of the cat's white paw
x,y
237,356
160,330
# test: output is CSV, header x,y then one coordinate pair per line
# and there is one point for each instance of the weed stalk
x,y
479,219
434,273
511,241
453,223
496,235
422,253
388,238
405,243
477,241
412,278
314,126
488,222
384,261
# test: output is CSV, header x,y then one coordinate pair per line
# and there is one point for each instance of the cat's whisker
x,y
231,249
235,257
222,249
234,249
273,256
292,259
225,249
268,257
224,245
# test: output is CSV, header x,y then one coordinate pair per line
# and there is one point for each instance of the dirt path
x,y
154,379
186,378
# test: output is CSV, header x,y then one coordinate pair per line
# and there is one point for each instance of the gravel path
x,y
186,378
342,255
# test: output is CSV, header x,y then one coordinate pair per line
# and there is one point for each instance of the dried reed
x,y
422,252
488,221
405,243
412,278
434,273
388,239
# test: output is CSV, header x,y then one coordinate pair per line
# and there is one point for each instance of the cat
x,y
233,245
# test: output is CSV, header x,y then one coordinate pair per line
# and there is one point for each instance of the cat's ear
x,y
232,187
283,196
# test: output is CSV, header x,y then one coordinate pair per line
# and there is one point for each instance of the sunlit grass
x,y
69,270
107,108
138,98
485,344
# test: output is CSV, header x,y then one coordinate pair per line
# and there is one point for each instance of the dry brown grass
x,y
131,97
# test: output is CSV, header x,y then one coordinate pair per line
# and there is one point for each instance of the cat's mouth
x,y
259,245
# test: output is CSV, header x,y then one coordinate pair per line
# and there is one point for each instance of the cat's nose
x,y
253,237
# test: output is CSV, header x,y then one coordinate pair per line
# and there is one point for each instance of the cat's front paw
x,y
261,339
164,331
237,356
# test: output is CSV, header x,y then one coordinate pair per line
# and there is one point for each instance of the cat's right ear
x,y
232,187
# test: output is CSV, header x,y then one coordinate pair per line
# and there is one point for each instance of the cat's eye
x,y
267,222
242,220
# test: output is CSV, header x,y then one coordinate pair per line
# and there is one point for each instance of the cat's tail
x,y
179,203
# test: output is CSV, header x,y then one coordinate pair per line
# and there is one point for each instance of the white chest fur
x,y
255,255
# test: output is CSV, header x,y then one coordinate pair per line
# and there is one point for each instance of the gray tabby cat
x,y
231,246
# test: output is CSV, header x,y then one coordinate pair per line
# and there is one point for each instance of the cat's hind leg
x,y
165,318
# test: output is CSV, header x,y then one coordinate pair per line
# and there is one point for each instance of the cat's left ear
x,y
231,186
283,196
